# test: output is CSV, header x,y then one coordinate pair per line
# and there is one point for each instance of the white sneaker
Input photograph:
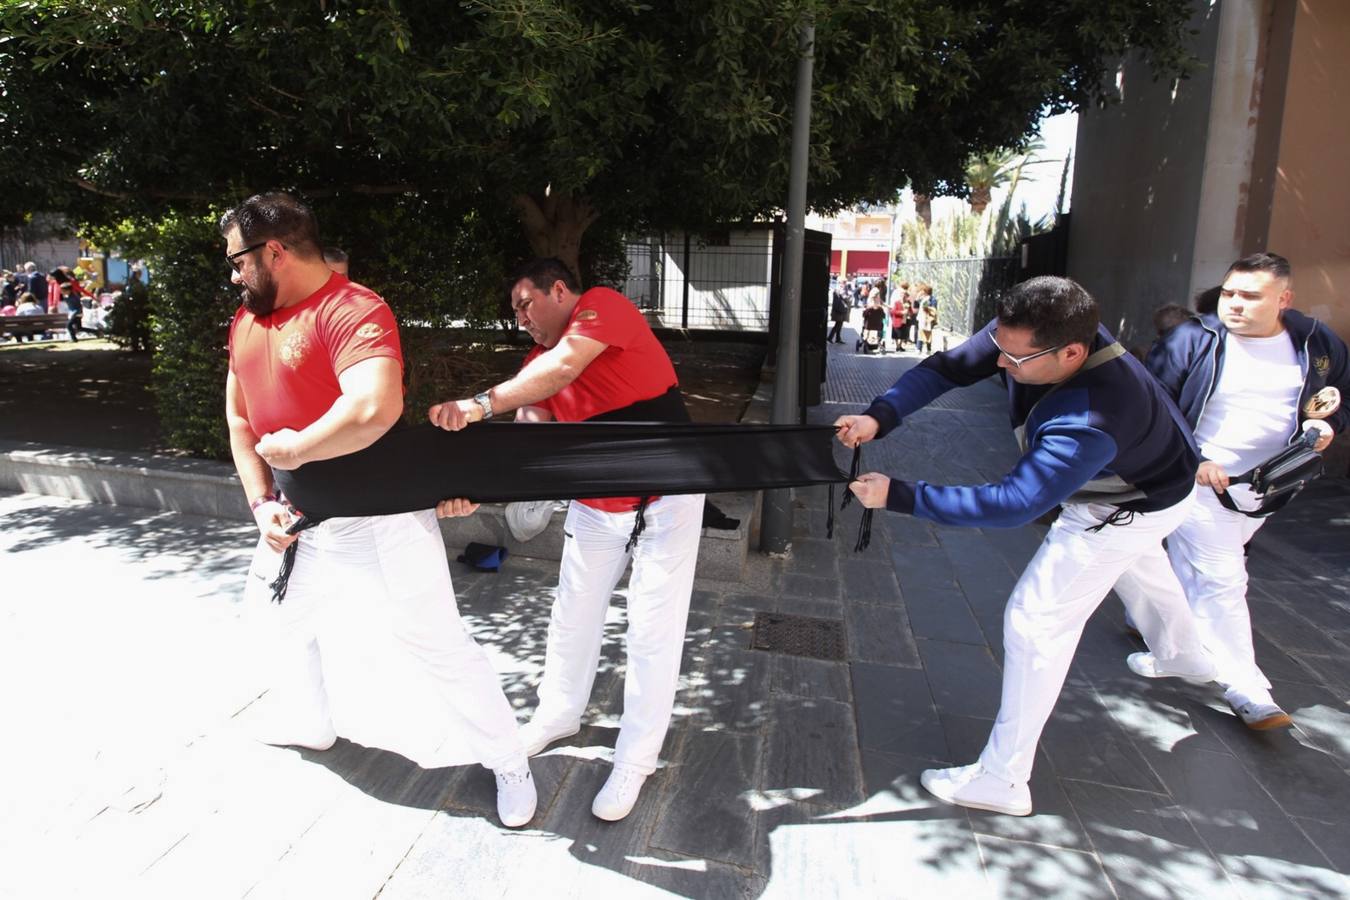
x,y
1147,665
536,737
620,792
528,519
516,796
281,735
972,786
1259,714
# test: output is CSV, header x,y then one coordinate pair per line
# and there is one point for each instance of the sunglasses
x,y
1019,361
233,258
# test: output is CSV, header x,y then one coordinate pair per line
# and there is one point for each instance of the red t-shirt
x,y
632,367
287,364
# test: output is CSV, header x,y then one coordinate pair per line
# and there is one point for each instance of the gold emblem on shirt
x,y
369,331
587,315
295,349
1322,364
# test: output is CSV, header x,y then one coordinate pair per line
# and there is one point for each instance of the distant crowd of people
x,y
32,292
890,319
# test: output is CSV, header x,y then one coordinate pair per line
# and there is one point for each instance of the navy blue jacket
x,y
1188,360
37,285
1109,434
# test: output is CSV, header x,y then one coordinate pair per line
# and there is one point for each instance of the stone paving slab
x,y
122,639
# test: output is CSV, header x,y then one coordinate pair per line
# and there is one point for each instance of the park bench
x,y
32,325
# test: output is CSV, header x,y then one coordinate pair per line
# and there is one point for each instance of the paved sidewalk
x,y
129,773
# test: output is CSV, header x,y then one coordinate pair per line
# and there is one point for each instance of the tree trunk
x,y
979,199
555,223
923,205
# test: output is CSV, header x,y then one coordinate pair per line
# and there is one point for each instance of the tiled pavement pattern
x,y
126,667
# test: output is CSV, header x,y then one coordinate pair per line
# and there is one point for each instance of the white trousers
x,y
1206,552
358,582
593,561
1063,584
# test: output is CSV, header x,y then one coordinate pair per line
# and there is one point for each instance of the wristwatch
x,y
485,404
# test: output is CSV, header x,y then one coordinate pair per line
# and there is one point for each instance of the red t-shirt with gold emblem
x,y
632,367
287,363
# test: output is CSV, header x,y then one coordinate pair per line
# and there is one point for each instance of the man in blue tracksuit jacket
x,y
1249,377
1100,437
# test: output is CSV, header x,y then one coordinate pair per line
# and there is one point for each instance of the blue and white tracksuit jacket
x,y
1188,360
1109,434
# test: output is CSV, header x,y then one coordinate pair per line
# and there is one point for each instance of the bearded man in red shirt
x,y
316,371
595,358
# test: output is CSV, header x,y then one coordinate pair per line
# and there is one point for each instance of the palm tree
x,y
923,205
996,169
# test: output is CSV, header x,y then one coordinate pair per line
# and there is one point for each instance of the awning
x,y
868,262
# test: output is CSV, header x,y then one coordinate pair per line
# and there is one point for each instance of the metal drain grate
x,y
798,635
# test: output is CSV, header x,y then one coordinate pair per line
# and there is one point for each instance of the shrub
x,y
193,302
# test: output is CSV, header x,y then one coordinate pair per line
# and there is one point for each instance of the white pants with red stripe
x,y
593,561
1063,584
367,595
1207,554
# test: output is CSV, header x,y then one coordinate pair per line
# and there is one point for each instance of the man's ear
x,y
1075,352
1286,298
276,251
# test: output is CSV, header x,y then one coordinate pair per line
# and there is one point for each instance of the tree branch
x,y
367,189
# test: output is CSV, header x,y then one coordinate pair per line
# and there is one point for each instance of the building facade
x,y
1178,179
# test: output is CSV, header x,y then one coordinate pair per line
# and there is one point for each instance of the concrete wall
x,y
1309,215
1237,101
1138,183
1171,185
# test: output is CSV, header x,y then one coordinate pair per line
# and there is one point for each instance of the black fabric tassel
x,y
829,514
639,524
865,522
864,525
853,470
283,578
864,531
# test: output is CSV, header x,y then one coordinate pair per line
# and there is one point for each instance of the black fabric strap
x,y
667,407
415,468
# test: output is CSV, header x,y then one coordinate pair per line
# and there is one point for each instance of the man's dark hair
x,y
1207,301
1057,310
334,255
542,272
1273,263
1165,318
275,216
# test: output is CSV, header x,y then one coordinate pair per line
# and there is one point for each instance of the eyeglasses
x,y
233,258
1019,361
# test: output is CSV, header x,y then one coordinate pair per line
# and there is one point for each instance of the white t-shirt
x,y
1254,407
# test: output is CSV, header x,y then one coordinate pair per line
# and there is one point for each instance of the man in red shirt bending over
x,y
597,358
316,372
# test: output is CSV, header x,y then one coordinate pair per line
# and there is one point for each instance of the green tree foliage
x,y
441,140
646,114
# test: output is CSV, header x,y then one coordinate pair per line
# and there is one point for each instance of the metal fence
x,y
966,290
716,282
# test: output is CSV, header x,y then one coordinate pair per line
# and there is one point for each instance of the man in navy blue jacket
x,y
1101,438
1244,376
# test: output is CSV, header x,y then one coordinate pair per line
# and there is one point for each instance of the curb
x,y
207,488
